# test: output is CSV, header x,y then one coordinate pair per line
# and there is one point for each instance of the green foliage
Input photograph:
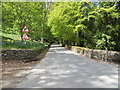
x,y
17,14
105,40
86,24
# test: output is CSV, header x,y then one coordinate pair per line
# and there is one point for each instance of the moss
x,y
40,49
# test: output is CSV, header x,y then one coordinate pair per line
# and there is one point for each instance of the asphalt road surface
x,y
65,69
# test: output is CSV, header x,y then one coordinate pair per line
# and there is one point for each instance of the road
x,y
65,69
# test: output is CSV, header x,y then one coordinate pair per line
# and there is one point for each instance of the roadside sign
x,y
25,36
25,29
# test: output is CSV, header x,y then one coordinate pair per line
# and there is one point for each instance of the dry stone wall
x,y
111,56
21,54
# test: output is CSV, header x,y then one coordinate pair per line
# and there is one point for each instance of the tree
x,y
18,14
92,25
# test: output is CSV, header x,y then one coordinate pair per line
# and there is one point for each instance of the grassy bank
x,y
22,44
10,41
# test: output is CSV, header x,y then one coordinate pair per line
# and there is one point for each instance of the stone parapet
x,y
110,56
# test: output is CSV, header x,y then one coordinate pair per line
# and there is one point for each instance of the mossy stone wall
x,y
110,56
21,54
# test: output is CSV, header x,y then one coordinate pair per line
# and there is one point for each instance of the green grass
x,y
12,36
21,45
10,41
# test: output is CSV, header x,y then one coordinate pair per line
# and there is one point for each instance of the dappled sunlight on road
x,y
65,69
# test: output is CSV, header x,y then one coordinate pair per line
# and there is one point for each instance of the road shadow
x,y
65,69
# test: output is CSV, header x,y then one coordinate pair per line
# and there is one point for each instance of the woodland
x,y
94,25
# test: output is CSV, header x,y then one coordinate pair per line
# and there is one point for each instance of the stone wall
x,y
110,56
21,54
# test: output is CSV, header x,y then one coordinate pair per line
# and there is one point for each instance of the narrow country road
x,y
65,69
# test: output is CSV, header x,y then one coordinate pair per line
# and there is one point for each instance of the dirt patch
x,y
13,71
